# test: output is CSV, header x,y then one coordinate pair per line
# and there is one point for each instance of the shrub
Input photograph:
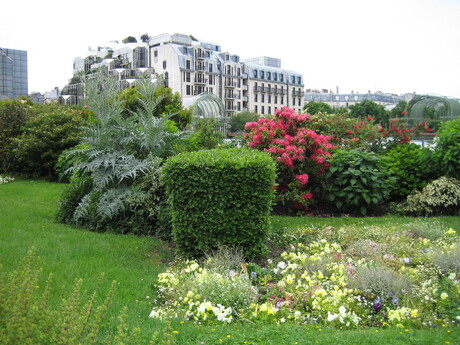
x,y
44,138
220,197
356,183
406,163
300,154
13,115
441,196
238,121
116,153
447,150
27,316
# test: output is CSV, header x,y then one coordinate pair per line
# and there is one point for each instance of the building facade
x,y
13,73
193,67
344,100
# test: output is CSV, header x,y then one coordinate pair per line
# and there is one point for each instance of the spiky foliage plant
x,y
117,150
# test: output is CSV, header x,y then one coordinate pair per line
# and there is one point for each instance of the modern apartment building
x,y
13,73
193,67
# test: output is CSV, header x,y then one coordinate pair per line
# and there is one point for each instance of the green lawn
x,y
27,220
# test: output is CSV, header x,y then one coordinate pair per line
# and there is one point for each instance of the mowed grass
x,y
27,212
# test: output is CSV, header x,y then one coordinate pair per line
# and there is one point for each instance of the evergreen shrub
x,y
220,197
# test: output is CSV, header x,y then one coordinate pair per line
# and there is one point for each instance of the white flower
x,y
331,317
444,295
281,265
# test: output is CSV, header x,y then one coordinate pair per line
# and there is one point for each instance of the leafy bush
x,y
44,138
447,150
406,163
116,153
220,197
441,196
27,317
238,121
13,115
300,154
356,183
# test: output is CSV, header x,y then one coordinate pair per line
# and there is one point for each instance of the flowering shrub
x,y
323,281
300,152
6,179
365,133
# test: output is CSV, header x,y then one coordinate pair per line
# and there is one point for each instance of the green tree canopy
x,y
129,39
318,107
238,121
368,108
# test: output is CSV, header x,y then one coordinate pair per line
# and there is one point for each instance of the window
x,y
298,80
293,79
211,80
276,99
282,100
262,74
187,77
255,73
255,109
187,64
299,102
210,67
211,90
262,98
269,76
293,100
263,110
269,110
155,53
281,77
164,64
269,99
275,76
188,92
255,97
238,71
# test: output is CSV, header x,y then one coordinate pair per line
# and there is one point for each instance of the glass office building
x,y
13,73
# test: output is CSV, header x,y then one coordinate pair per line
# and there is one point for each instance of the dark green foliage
x,y
208,134
71,197
45,137
238,121
367,108
407,164
220,197
356,183
169,103
446,154
314,108
129,39
13,115
439,197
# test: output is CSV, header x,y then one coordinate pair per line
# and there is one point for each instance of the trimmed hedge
x,y
220,197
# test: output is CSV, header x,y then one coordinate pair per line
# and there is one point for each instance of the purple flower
x,y
377,307
253,274
395,301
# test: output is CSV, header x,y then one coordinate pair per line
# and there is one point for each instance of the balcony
x,y
202,81
200,55
200,67
229,84
244,87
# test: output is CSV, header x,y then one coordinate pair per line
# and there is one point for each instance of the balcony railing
x,y
200,56
229,84
201,81
200,67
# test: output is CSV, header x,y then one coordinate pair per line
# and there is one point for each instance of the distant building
x,y
193,67
344,100
13,73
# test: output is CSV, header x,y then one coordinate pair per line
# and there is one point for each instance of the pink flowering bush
x,y
299,151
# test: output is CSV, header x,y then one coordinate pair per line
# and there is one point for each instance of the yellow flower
x,y
444,295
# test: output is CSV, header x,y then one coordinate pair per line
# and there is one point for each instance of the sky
x,y
392,46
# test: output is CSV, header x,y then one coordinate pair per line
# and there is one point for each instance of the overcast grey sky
x,y
394,46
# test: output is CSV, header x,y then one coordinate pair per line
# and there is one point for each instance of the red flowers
x,y
300,151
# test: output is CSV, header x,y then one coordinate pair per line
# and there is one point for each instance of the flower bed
x,y
340,277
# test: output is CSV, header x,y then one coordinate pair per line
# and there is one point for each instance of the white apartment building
x,y
193,67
